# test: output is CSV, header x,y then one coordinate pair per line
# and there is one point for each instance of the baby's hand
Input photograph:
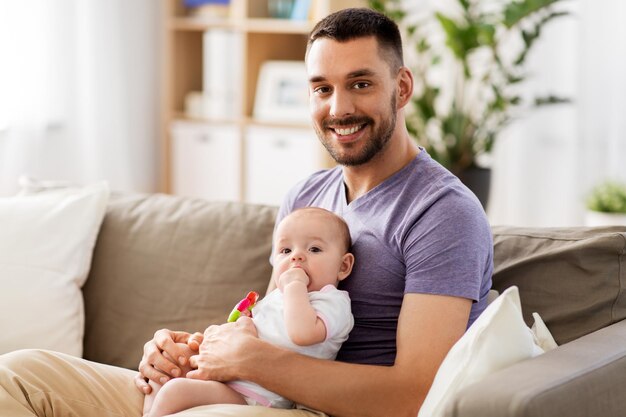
x,y
292,275
194,341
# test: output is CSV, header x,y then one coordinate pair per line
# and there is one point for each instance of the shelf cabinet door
x,y
276,159
206,160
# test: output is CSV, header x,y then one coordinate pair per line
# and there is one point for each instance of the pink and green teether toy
x,y
244,306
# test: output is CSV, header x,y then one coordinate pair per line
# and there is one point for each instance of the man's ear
x,y
404,82
347,262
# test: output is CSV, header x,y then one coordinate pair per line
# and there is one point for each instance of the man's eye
x,y
361,85
315,249
285,250
321,90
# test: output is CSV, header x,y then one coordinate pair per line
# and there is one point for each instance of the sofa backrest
x,y
575,278
181,263
170,262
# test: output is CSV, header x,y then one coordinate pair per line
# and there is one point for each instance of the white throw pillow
x,y
497,339
46,244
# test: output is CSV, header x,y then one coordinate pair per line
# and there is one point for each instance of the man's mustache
x,y
347,121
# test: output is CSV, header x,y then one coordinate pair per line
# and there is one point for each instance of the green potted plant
x,y
606,205
468,81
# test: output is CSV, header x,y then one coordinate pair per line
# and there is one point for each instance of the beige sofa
x,y
181,263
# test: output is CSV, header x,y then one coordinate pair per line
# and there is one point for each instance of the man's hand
x,y
223,350
292,275
163,357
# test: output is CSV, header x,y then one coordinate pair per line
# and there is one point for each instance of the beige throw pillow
x,y
46,244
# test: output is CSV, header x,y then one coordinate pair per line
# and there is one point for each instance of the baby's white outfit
x,y
332,307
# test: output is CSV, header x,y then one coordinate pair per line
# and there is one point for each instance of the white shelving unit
x,y
227,154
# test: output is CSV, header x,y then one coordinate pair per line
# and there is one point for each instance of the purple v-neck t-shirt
x,y
420,231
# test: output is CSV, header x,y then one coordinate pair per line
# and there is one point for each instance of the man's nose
x,y
341,104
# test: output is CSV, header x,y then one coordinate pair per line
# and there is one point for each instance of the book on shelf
x,y
221,78
198,3
215,9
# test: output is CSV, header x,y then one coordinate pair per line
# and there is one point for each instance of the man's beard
x,y
379,138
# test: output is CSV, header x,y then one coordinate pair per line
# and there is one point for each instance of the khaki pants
x,y
42,383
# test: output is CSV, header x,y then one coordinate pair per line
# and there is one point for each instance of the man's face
x,y
352,98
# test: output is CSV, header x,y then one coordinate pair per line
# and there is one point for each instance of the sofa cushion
x,y
170,262
47,237
575,278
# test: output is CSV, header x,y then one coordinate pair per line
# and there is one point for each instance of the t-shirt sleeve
x,y
333,308
448,251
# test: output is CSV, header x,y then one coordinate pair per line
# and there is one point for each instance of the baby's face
x,y
310,241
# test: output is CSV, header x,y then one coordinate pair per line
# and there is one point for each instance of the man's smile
x,y
347,134
349,130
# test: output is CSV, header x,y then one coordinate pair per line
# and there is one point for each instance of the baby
x,y
306,312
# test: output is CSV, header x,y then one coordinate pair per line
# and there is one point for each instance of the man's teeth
x,y
348,131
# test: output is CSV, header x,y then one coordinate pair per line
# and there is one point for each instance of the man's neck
x,y
398,153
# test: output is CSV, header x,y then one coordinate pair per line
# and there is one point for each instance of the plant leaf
x,y
531,35
516,11
378,5
453,35
486,34
551,99
465,37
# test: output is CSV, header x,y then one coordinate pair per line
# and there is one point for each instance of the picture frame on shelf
x,y
282,92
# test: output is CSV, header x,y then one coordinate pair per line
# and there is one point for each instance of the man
x,y
422,244
421,240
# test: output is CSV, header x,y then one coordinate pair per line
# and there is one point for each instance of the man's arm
x,y
428,327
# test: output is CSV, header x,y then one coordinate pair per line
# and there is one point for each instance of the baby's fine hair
x,y
342,226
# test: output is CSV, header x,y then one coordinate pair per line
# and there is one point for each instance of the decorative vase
x,y
599,218
478,180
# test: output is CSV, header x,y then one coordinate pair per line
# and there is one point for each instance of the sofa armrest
x,y
586,377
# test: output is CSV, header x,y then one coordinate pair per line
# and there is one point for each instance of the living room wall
x,y
79,82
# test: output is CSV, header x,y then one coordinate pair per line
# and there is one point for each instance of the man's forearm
x,y
337,388
428,327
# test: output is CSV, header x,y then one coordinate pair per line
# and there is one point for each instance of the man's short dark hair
x,y
349,24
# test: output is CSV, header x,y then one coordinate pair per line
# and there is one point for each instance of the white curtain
x,y
79,92
602,93
536,178
547,163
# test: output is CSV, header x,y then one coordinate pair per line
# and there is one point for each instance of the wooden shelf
x,y
199,23
244,121
276,26
255,25
183,116
286,125
260,38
